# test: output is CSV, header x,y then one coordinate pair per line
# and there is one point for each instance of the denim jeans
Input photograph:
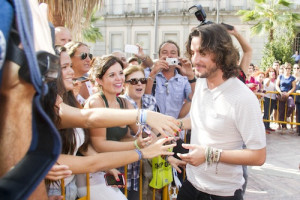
x,y
70,190
189,192
268,108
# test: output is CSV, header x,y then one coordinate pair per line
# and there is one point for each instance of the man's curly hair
x,y
216,40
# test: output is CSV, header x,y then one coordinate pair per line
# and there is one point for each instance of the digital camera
x,y
172,61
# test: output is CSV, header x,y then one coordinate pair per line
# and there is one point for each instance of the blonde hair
x,y
73,46
131,69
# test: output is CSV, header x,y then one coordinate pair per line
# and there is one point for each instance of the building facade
x,y
133,22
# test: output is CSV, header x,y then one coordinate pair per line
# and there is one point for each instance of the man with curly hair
x,y
224,115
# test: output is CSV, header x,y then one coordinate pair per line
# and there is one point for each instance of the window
x,y
143,39
171,36
116,42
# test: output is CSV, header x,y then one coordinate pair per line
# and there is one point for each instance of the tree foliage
x,y
274,18
279,49
92,33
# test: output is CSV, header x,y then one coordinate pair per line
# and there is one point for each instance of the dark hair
x,y
102,64
55,88
216,40
170,42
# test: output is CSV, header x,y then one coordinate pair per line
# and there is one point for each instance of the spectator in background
x,y
62,35
250,80
296,57
269,98
297,101
170,87
259,79
81,58
285,85
122,57
133,61
276,66
296,68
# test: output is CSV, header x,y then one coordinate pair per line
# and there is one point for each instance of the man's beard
x,y
209,72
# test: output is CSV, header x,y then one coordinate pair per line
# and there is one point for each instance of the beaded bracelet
x,y
136,144
212,155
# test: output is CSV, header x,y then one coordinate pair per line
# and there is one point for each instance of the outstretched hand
x,y
195,157
58,172
159,148
166,125
176,163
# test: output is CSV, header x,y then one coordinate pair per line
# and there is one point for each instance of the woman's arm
x,y
106,117
293,88
109,160
278,84
247,50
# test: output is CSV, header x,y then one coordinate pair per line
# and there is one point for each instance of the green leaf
x,y
284,3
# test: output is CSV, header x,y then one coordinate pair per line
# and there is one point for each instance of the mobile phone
x,y
82,79
229,27
110,179
131,49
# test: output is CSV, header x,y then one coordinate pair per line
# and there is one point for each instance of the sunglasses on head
x,y
84,56
135,81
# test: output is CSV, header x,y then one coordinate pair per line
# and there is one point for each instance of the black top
x,y
115,133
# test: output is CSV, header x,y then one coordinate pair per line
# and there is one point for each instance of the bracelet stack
x,y
212,155
141,119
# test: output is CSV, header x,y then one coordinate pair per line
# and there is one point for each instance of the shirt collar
x,y
220,89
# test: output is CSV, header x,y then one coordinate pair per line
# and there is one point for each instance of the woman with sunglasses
x,y
73,139
81,58
107,72
134,92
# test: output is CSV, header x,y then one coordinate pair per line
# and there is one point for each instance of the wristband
x,y
193,80
140,153
136,145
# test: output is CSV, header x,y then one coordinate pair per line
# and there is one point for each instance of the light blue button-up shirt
x,y
171,94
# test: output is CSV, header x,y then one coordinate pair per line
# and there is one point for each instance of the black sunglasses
x,y
135,81
84,55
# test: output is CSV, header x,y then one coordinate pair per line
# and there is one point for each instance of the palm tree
x,y
71,13
92,33
269,15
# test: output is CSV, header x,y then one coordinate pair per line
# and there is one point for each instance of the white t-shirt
x,y
271,87
224,118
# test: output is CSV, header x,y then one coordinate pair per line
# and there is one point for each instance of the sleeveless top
x,y
115,133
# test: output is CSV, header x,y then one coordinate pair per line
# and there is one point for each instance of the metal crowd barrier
x,y
276,118
165,190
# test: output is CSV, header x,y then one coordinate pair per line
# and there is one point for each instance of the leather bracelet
x,y
193,80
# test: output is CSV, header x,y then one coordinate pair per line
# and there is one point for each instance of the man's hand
x,y
58,172
186,68
195,157
159,65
